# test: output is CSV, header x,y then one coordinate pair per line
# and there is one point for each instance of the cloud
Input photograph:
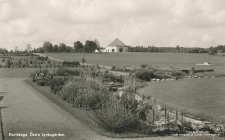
x,y
187,23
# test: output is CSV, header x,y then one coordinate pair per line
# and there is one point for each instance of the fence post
x,y
165,115
176,115
153,112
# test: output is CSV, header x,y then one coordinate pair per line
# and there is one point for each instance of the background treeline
x,y
48,47
3,50
91,46
167,49
213,50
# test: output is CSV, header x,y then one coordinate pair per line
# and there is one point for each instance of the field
x,y
196,96
177,60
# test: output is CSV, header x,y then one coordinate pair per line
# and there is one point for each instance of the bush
x,y
161,74
145,74
83,92
111,77
177,73
113,67
115,117
70,64
57,83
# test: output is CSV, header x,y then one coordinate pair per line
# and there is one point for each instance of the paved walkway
x,y
29,111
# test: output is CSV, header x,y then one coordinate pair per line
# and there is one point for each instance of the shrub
x,y
63,72
145,74
113,67
57,83
70,64
177,73
83,92
161,74
111,77
115,117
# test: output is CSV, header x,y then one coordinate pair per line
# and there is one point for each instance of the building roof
x,y
117,43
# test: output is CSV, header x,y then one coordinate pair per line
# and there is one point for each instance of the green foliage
x,y
83,60
145,74
114,116
47,46
8,63
78,46
162,74
84,92
90,46
70,64
65,72
111,77
177,73
113,67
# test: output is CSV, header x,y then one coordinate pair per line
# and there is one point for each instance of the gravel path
x,y
25,110
29,111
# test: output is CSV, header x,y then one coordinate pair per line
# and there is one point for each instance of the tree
x,y
8,63
19,63
28,47
90,46
62,47
98,44
83,60
47,46
193,71
69,49
78,46
55,48
177,48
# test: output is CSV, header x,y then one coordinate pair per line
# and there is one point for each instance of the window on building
x,y
113,50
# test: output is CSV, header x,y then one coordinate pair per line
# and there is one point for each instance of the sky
x,y
160,23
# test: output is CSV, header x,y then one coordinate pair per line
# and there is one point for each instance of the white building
x,y
116,46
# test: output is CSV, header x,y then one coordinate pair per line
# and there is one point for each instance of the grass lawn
x,y
202,95
178,60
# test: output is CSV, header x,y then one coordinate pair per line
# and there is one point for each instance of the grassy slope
x,y
193,95
135,59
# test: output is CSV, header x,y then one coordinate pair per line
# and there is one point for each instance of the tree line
x,y
48,47
213,50
176,49
3,50
91,46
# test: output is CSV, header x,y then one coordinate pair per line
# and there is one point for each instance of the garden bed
x,y
81,114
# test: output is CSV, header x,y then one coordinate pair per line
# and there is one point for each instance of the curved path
x,y
25,110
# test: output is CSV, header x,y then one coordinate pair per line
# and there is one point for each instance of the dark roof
x,y
117,43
